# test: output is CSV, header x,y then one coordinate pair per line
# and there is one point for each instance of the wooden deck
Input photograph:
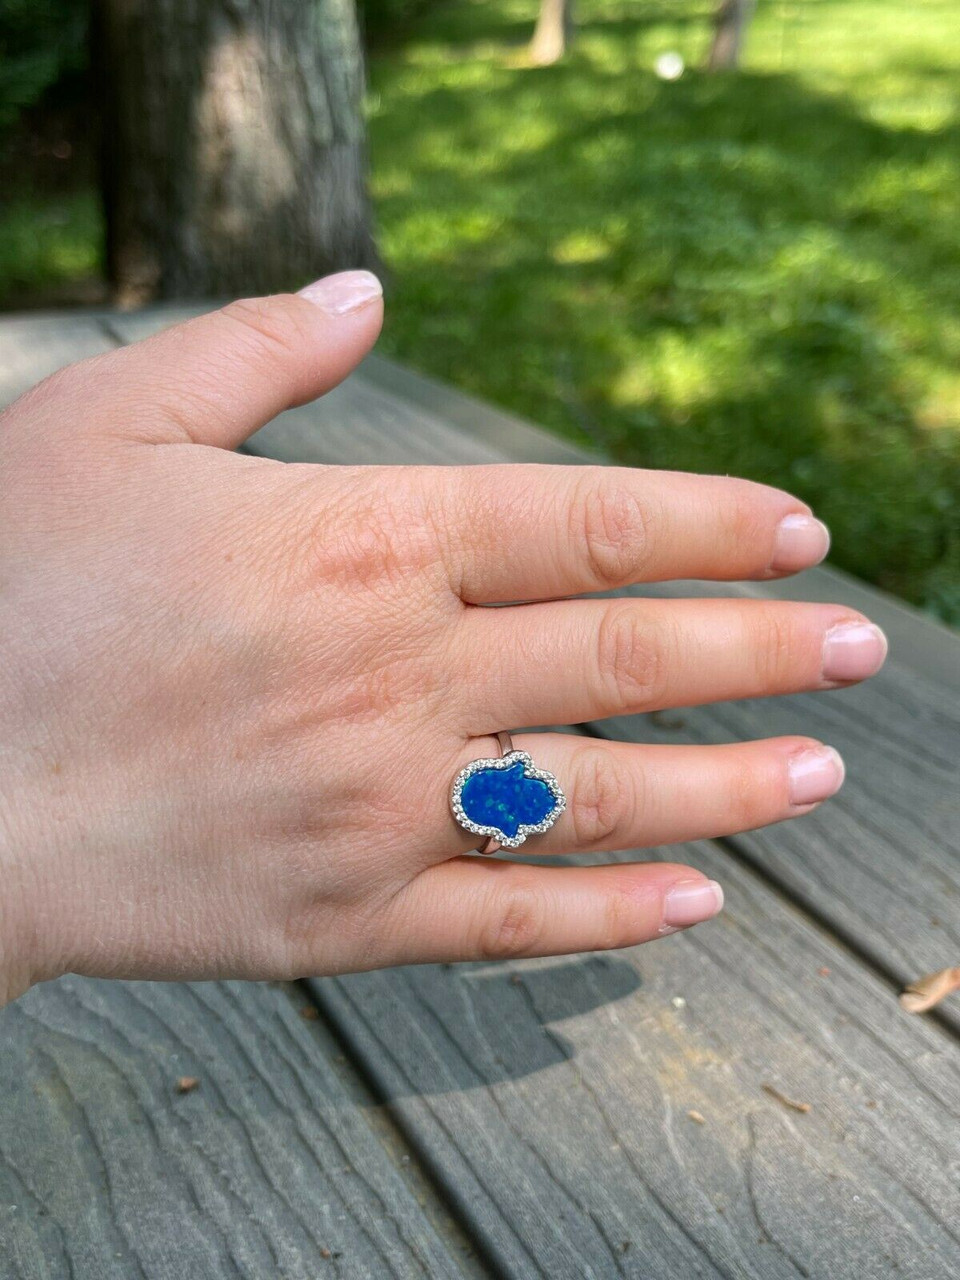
x,y
623,1115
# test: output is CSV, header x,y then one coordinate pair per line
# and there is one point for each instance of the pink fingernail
x,y
802,541
691,901
815,775
345,292
853,651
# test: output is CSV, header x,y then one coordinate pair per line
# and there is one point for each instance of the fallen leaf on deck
x,y
929,990
187,1084
802,1107
696,1117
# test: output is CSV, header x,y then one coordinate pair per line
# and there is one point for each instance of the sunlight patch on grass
x,y
754,273
580,246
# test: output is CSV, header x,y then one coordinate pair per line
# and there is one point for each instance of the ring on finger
x,y
506,798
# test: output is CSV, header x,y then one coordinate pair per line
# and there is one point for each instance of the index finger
x,y
530,532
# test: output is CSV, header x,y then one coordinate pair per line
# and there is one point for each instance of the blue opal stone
x,y
506,799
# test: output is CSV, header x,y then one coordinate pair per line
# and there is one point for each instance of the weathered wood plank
x,y
554,1099
277,1164
360,421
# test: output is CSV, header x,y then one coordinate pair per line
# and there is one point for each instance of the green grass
x,y
49,245
756,273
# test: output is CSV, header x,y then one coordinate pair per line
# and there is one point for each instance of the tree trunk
x,y
729,29
553,32
233,157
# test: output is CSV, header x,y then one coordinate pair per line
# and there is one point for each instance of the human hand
x,y
234,692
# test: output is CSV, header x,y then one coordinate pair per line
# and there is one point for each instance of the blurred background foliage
x,y
755,272
49,216
42,45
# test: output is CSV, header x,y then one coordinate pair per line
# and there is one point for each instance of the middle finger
x,y
562,662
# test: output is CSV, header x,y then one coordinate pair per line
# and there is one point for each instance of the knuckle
x,y
748,523
384,534
777,651
602,802
269,327
619,928
515,927
614,525
630,659
746,793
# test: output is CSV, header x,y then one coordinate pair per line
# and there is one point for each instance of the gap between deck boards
x,y
403,1149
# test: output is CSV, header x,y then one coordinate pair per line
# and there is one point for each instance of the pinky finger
x,y
472,908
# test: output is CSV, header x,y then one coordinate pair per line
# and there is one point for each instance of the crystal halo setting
x,y
506,798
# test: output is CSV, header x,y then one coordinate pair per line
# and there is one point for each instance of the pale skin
x,y
234,692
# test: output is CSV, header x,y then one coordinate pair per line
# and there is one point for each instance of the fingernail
x,y
691,901
815,775
345,292
802,541
853,651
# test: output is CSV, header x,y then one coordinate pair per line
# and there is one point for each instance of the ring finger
x,y
619,796
624,796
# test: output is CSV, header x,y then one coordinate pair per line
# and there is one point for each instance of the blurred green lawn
x,y
48,243
755,273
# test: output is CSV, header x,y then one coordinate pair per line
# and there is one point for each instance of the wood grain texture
x,y
554,1099
276,1165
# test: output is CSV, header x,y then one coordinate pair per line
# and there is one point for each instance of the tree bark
x,y
729,30
233,144
553,32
